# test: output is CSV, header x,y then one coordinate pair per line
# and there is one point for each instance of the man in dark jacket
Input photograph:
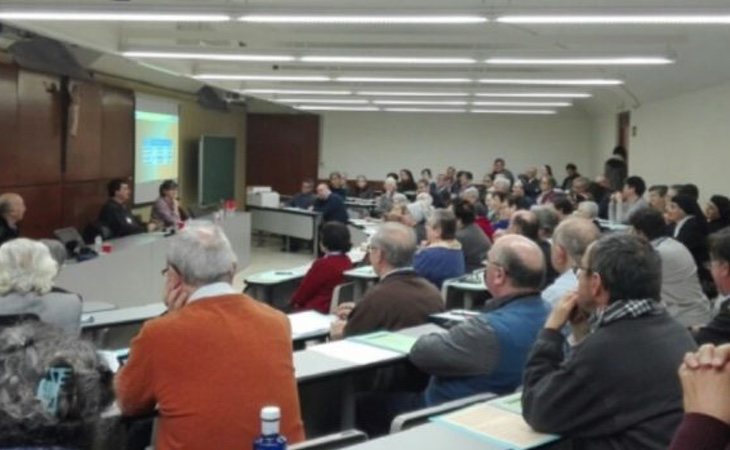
x,y
115,213
12,210
332,206
619,388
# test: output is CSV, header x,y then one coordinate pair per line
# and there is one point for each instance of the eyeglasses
x,y
164,271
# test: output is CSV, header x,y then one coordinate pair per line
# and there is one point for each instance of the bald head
x,y
323,191
525,223
12,207
522,260
575,235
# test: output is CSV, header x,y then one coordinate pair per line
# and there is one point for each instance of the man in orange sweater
x,y
215,359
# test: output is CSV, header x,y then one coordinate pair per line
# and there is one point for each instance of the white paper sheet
x,y
355,352
308,322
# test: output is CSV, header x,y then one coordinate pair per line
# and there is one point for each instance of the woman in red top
x,y
315,290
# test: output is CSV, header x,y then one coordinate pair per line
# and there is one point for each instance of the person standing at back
x,y
215,359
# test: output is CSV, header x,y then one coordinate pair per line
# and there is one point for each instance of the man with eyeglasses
x,y
487,353
618,389
215,359
717,331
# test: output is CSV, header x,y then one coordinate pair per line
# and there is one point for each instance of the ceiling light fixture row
x,y
559,95
426,110
301,101
716,18
233,57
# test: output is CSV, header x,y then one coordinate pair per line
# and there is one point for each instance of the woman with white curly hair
x,y
27,271
53,388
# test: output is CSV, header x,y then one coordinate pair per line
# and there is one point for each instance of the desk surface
x,y
271,277
364,272
92,307
122,316
285,210
431,436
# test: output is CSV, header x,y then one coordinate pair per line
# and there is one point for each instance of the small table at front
x,y
287,222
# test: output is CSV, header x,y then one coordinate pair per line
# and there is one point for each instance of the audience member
x,y
526,223
718,330
563,206
547,219
688,226
499,169
362,189
547,190
304,199
384,203
632,197
718,213
115,213
401,299
705,377
580,190
570,241
522,201
618,388
532,184
488,353
498,215
442,257
691,190
338,185
215,359
616,169
681,291
406,183
474,242
471,195
501,184
53,388
466,181
332,207
315,290
587,210
658,197
166,209
27,271
12,210
572,174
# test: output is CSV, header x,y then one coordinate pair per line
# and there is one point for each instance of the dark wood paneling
x,y
281,150
39,131
43,214
117,133
8,123
82,202
83,152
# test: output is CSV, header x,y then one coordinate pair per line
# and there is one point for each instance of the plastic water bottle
x,y
270,438
98,243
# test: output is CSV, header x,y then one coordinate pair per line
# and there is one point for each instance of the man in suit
x,y
12,210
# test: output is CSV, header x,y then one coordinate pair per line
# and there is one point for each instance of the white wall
x,y
373,144
684,139
605,135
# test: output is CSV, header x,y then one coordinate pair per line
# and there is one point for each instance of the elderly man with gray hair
x,y
215,359
487,353
12,210
401,299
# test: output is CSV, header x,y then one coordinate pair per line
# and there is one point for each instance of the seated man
x,y
619,388
570,240
474,242
527,224
488,353
442,257
115,213
215,359
12,210
401,299
331,206
718,330
304,199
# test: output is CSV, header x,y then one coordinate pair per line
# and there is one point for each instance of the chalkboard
x,y
216,169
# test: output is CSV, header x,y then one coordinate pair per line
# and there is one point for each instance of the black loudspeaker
x,y
210,98
47,56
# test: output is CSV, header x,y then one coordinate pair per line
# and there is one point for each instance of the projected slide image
x,y
156,148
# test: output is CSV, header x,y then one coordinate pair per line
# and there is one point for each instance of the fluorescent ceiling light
x,y
428,110
362,19
418,102
556,82
625,61
337,108
112,16
534,94
262,77
546,104
401,80
678,19
513,111
385,60
322,100
411,94
208,56
292,92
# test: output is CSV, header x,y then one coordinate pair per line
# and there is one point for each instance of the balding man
x,y
570,241
527,224
331,206
487,353
12,210
618,389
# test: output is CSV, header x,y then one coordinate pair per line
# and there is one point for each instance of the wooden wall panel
x,y
82,202
83,151
43,213
117,133
39,130
8,123
281,150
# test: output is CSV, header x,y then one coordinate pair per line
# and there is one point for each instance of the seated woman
x,y
53,388
688,225
384,203
27,271
718,213
474,242
442,257
362,190
166,210
315,290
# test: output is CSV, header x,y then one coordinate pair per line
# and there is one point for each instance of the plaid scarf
x,y
621,309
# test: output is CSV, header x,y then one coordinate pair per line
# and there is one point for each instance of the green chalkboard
x,y
216,169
